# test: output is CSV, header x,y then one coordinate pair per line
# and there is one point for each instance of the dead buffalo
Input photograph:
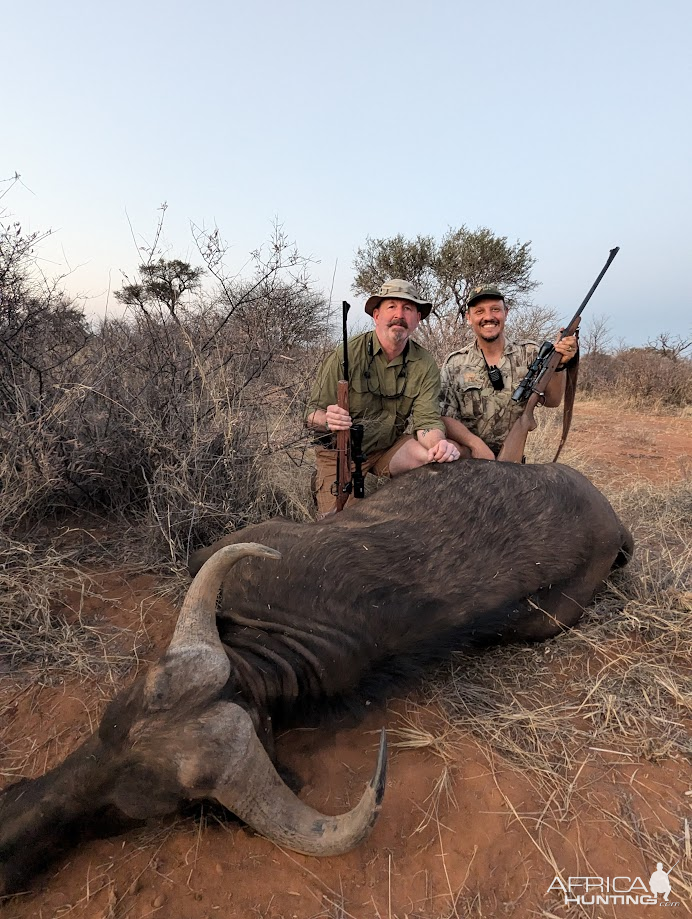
x,y
439,559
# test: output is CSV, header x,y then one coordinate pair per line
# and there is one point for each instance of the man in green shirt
x,y
393,383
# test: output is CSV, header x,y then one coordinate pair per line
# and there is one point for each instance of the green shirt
x,y
468,394
411,381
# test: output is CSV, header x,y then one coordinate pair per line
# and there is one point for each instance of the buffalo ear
x,y
141,792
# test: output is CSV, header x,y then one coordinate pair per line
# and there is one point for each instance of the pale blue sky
x,y
564,124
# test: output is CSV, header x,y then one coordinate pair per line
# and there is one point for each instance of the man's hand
x,y
443,452
337,418
439,449
567,347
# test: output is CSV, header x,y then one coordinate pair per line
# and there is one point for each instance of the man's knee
x,y
323,479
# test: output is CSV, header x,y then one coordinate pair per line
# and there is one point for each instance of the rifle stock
x,y
535,382
512,450
349,442
343,451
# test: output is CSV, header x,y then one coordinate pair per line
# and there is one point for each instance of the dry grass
x,y
32,579
646,379
47,579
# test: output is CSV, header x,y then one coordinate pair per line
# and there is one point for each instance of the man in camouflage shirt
x,y
478,380
394,384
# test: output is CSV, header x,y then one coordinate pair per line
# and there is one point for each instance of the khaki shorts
x,y
325,472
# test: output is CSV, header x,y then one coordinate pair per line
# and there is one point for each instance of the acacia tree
x,y
466,259
162,282
445,271
398,257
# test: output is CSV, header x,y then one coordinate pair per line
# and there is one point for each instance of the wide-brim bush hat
x,y
398,289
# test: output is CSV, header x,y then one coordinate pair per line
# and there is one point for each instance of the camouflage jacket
x,y
468,394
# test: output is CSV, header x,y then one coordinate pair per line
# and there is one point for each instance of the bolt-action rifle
x,y
532,387
349,443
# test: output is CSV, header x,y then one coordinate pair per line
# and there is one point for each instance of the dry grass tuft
x,y
44,585
32,578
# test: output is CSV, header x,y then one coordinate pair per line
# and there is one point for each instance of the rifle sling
x,y
572,372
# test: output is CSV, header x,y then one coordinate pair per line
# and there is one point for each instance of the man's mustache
x,y
399,322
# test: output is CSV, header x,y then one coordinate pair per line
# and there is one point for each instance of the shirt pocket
x,y
361,403
405,402
471,401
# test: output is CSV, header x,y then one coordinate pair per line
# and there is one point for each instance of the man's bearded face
x,y
395,320
487,318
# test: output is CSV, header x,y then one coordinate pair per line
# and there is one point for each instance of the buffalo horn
x,y
195,664
197,620
258,795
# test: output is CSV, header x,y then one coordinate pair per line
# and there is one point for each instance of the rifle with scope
x,y
349,443
532,387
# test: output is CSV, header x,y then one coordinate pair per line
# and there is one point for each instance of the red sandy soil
x,y
621,444
479,858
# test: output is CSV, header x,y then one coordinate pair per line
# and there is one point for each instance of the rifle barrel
x,y
613,253
345,307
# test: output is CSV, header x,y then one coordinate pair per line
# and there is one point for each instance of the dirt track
x,y
486,853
